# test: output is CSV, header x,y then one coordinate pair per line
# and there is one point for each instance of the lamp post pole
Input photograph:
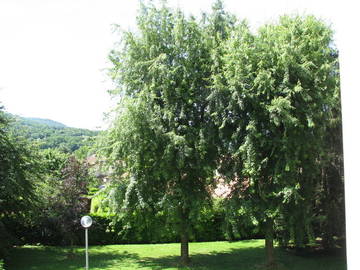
x,y
86,222
86,249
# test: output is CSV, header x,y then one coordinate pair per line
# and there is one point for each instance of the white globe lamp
x,y
86,222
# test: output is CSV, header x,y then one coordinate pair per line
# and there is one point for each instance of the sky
x,y
53,53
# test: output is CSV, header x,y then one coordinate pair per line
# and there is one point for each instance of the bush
x,y
102,232
46,230
2,265
210,226
6,240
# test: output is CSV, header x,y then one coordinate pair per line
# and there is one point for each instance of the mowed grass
x,y
245,255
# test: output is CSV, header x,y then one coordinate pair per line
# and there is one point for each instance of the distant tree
x,y
50,135
64,196
62,199
53,162
42,192
273,101
71,203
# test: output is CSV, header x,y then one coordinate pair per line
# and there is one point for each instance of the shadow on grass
x,y
55,258
238,258
105,257
249,258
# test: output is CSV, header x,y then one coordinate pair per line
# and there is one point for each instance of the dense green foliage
x,y
19,170
50,230
50,134
274,101
210,255
18,166
64,199
330,202
43,191
164,137
205,98
68,201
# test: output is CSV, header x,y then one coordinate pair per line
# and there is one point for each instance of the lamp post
x,y
86,222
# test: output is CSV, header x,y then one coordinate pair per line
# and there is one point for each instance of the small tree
x,y
64,197
71,202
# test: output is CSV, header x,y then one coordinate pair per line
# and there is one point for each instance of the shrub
x,y
211,226
6,240
102,231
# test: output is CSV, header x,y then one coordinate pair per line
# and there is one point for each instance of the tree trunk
x,y
269,242
184,238
185,259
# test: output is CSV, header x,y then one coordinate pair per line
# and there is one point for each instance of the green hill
x,y
51,134
48,122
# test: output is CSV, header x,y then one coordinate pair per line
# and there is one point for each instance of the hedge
x,y
47,231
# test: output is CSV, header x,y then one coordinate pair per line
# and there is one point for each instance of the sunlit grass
x,y
245,255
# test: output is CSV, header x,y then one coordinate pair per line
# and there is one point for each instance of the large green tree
x,y
261,106
273,101
164,137
19,168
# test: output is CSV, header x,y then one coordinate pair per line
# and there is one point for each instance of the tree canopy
x,y
273,102
200,98
19,170
18,167
164,136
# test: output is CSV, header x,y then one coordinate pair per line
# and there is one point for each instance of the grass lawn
x,y
245,255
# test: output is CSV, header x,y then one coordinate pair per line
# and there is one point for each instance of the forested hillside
x,y
51,134
48,122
